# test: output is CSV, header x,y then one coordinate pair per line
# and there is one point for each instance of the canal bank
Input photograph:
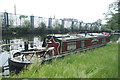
x,y
37,40
98,63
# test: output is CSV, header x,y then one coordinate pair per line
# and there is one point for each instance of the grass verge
x,y
98,63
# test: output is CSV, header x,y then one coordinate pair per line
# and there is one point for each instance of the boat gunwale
x,y
83,38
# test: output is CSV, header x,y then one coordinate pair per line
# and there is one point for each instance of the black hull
x,y
16,67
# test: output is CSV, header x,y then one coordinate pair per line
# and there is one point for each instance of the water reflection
x,y
18,43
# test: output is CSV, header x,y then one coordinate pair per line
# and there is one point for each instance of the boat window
x,y
82,43
103,40
71,45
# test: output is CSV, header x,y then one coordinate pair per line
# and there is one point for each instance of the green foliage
x,y
42,27
114,38
60,28
11,22
26,23
99,63
112,22
112,16
72,28
2,22
23,16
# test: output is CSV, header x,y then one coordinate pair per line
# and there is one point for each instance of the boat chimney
x,y
85,33
26,45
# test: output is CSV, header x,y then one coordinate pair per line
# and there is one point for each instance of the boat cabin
x,y
67,43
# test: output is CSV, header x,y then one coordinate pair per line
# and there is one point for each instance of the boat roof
x,y
65,37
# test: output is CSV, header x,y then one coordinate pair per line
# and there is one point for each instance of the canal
x,y
18,43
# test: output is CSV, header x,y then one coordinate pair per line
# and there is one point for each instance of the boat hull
x,y
16,67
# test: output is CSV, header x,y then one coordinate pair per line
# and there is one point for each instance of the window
x,y
71,45
82,43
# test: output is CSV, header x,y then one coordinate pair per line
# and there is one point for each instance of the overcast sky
x,y
85,10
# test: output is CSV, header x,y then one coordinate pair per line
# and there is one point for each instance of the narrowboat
x,y
65,44
57,46
21,59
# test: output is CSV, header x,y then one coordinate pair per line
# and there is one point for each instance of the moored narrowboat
x,y
64,44
57,46
20,59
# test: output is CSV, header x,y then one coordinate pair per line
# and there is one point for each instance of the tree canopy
x,y
113,15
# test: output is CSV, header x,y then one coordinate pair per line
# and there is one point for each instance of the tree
x,y
112,23
26,24
22,16
42,27
1,20
72,28
11,21
112,16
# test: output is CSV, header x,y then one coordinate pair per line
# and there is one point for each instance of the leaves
x,y
26,23
23,16
112,16
112,22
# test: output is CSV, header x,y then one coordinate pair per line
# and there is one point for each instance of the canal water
x,y
18,43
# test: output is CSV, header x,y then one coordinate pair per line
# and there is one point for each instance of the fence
x,y
13,20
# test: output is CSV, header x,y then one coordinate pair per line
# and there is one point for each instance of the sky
x,y
83,10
